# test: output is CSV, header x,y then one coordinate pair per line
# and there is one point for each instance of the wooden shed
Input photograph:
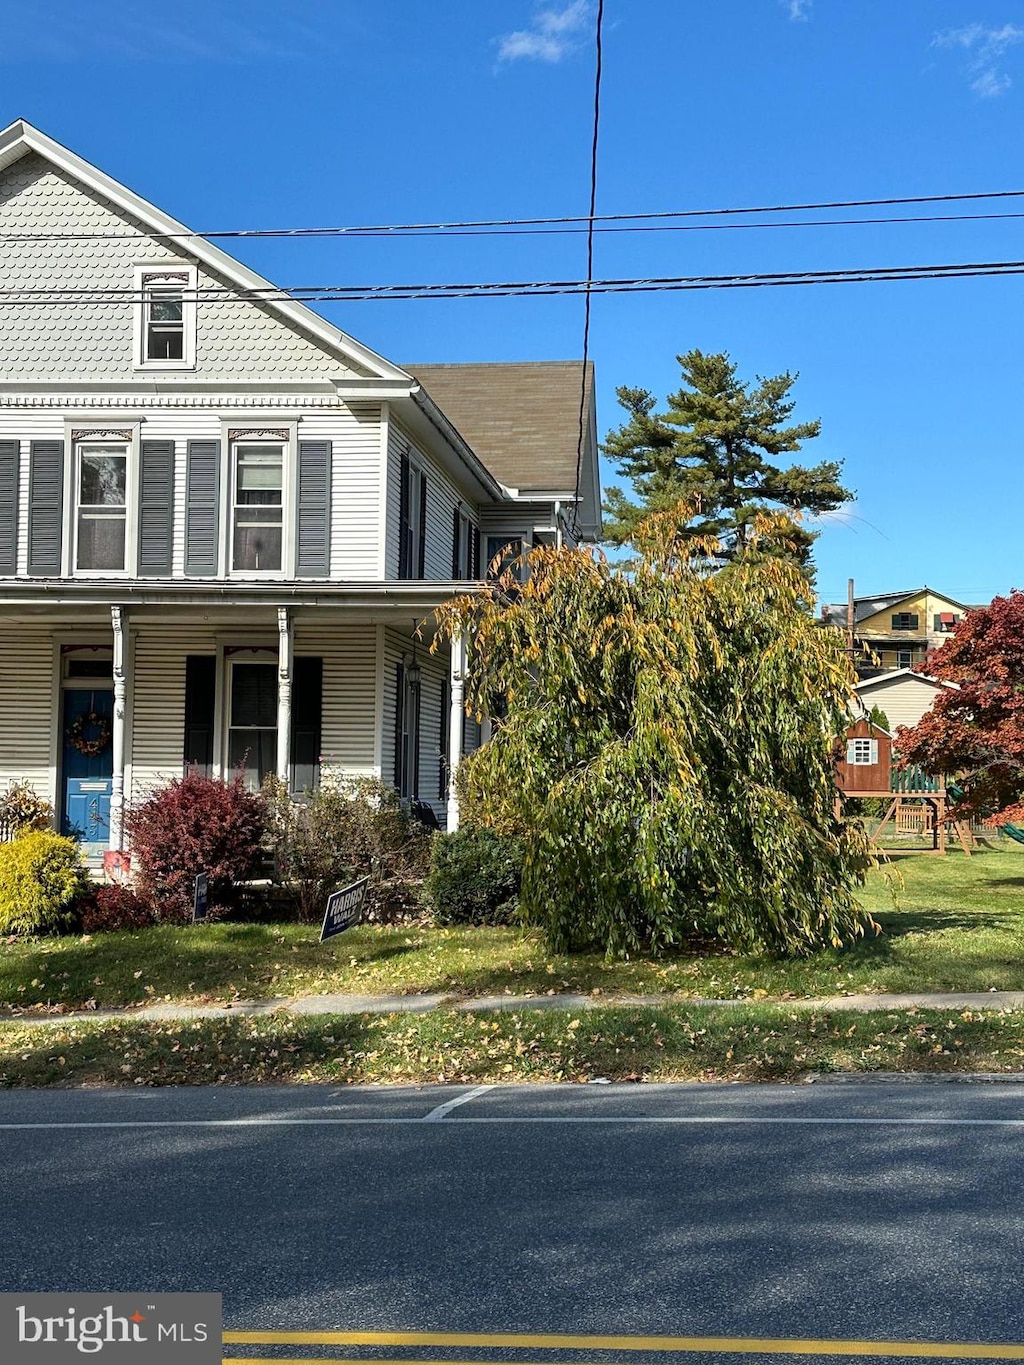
x,y
866,767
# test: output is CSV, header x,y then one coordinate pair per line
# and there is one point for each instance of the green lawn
x,y
959,925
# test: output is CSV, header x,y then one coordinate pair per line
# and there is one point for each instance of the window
x,y
257,508
252,733
862,751
905,620
407,734
101,514
165,318
904,658
465,546
506,550
945,621
412,519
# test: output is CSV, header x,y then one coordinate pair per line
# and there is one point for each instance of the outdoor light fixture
x,y
415,672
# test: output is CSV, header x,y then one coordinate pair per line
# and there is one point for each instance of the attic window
x,y
165,318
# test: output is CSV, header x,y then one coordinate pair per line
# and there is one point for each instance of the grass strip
x,y
958,926
746,1043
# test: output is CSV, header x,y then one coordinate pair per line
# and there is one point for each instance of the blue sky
x,y
261,114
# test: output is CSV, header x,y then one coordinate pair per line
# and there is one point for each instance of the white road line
x,y
258,1121
442,1110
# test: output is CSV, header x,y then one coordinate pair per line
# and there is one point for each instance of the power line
x,y
590,266
336,293
398,229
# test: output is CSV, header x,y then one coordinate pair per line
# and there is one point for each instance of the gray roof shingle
x,y
522,419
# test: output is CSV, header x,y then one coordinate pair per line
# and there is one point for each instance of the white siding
x,y
355,480
355,487
158,693
904,700
157,683
235,341
27,722
349,698
442,498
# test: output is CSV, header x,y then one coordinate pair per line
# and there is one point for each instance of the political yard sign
x,y
344,908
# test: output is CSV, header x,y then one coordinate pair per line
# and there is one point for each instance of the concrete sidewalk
x,y
421,1004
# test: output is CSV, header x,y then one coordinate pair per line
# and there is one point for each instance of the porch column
x,y
119,622
285,653
458,693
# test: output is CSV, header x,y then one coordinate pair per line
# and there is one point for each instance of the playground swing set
x,y
917,801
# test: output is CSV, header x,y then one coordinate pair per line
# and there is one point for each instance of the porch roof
x,y
367,601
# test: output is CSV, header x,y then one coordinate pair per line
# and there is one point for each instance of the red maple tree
x,y
976,732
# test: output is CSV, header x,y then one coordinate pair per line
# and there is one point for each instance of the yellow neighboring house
x,y
896,630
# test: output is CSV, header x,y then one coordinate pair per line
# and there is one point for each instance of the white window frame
x,y
116,433
467,530
861,751
905,654
234,434
229,655
188,315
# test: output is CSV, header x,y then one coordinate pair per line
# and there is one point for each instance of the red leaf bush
x,y
107,909
195,824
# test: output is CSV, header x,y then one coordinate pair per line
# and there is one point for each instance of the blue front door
x,y
87,766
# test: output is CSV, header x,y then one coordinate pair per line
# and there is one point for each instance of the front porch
x,y
101,701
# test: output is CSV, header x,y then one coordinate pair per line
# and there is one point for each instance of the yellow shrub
x,y
41,875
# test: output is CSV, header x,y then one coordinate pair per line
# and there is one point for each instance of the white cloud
x,y
984,49
797,9
553,35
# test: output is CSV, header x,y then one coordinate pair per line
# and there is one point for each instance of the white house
x,y
903,695
222,520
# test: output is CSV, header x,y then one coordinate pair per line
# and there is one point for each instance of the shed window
x,y
862,751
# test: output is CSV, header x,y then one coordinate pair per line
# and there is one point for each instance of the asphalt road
x,y
856,1212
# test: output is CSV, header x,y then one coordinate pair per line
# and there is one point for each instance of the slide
x,y
1011,831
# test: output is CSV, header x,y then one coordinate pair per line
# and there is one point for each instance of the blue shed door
x,y
87,766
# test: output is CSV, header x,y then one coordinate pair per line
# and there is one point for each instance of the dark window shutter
x,y
475,551
456,542
421,556
200,695
156,508
914,622
400,776
403,517
314,520
202,503
9,462
415,739
45,507
307,717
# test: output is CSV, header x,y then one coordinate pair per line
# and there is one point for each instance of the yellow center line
x,y
789,1346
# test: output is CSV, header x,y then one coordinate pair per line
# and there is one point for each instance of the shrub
x,y
106,909
21,809
347,829
474,877
41,877
195,824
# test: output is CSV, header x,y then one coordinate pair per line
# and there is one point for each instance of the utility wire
x,y
590,268
519,289
398,229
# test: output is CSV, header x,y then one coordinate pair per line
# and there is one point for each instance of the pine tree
x,y
712,450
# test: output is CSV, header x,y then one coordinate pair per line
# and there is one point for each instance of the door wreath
x,y
89,733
